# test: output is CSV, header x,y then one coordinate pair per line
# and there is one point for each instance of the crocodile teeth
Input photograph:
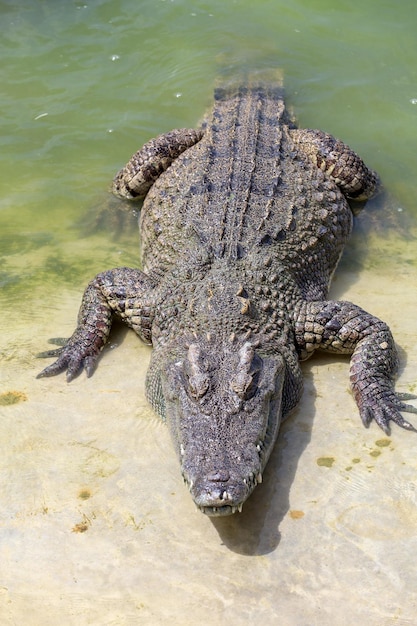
x,y
259,478
250,480
239,507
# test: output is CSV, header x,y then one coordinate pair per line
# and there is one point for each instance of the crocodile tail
x,y
231,82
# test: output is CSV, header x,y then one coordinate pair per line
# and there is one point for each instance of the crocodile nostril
x,y
221,476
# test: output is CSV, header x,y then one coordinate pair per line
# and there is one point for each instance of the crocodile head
x,y
223,405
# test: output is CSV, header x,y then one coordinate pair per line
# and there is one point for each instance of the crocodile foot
x,y
385,407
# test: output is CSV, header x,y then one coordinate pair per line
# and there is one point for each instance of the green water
x,y
85,84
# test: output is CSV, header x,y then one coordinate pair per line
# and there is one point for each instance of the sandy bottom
x,y
98,528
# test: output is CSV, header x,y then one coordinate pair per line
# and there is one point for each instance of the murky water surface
x,y
95,524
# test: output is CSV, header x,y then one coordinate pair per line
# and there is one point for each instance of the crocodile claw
x,y
49,353
407,396
390,411
71,359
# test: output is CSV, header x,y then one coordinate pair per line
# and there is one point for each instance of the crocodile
x,y
243,223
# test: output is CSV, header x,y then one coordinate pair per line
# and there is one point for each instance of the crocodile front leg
x,y
339,162
121,292
148,163
345,328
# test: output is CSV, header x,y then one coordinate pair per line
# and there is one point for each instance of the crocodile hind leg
x,y
338,162
122,292
345,328
148,163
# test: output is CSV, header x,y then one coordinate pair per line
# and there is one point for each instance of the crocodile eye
x,y
197,377
245,381
198,385
244,385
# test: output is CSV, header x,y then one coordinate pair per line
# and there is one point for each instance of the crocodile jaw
x,y
224,502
